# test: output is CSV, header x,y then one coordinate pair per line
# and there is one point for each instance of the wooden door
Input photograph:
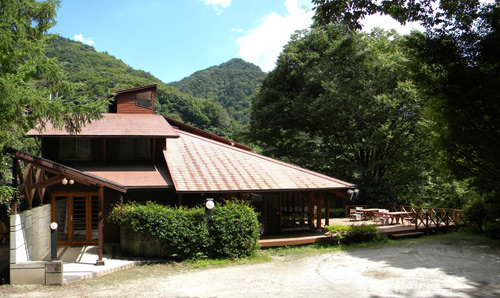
x,y
76,216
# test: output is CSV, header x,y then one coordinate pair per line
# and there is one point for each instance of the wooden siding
x,y
126,102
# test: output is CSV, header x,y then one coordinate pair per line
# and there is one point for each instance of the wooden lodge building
x,y
134,154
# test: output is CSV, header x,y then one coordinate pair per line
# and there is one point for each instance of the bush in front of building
x,y
183,232
334,213
234,230
354,234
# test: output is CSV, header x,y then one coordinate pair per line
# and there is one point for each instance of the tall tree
x,y
32,86
341,102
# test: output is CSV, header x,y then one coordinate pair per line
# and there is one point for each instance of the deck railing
x,y
428,216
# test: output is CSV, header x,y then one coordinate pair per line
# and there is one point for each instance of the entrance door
x,y
76,216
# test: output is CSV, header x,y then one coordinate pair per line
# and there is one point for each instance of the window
x,y
144,99
135,149
74,148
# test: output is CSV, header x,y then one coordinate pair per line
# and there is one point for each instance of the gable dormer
x,y
139,100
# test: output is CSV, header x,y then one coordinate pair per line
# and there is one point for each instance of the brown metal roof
x,y
198,164
117,125
132,176
136,89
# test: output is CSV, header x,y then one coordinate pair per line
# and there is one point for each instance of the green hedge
x,y
354,234
183,232
334,213
234,231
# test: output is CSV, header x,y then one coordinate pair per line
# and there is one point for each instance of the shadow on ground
x,y
476,260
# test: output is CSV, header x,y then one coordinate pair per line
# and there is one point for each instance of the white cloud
x,y
263,44
386,22
218,5
86,40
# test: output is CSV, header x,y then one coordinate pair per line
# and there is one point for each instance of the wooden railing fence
x,y
428,216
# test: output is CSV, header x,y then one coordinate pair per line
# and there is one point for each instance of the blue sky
x,y
173,39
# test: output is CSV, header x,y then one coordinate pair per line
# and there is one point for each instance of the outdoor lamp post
x,y
53,241
209,205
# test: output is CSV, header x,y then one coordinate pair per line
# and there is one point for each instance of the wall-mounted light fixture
x,y
354,193
64,181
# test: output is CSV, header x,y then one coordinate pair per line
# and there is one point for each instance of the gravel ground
x,y
431,268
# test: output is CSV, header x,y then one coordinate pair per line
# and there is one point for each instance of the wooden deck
x,y
307,237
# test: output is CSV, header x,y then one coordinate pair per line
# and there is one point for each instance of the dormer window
x,y
144,99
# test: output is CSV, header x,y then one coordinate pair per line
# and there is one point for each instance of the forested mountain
x,y
231,84
97,74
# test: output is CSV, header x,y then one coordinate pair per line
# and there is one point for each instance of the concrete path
x,y
80,263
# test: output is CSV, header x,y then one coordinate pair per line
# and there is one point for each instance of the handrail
x,y
428,216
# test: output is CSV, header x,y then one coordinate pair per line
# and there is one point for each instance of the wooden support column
x,y
318,212
153,152
311,210
179,199
100,218
265,212
103,151
327,210
15,165
280,213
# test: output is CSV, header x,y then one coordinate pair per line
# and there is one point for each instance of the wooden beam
x,y
56,168
48,182
338,192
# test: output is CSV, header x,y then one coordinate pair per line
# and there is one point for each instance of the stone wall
x,y
29,244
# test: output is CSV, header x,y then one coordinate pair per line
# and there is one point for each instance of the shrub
x,y
354,234
234,231
476,214
334,213
183,232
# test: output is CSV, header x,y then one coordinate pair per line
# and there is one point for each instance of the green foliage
x,y
215,99
334,213
482,215
230,84
234,231
444,14
343,103
354,234
33,88
183,232
457,69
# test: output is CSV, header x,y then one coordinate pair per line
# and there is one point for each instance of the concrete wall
x,y
30,235
29,244
140,245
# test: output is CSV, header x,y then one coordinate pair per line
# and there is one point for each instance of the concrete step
x,y
405,235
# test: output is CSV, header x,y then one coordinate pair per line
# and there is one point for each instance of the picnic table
x,y
398,215
369,213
